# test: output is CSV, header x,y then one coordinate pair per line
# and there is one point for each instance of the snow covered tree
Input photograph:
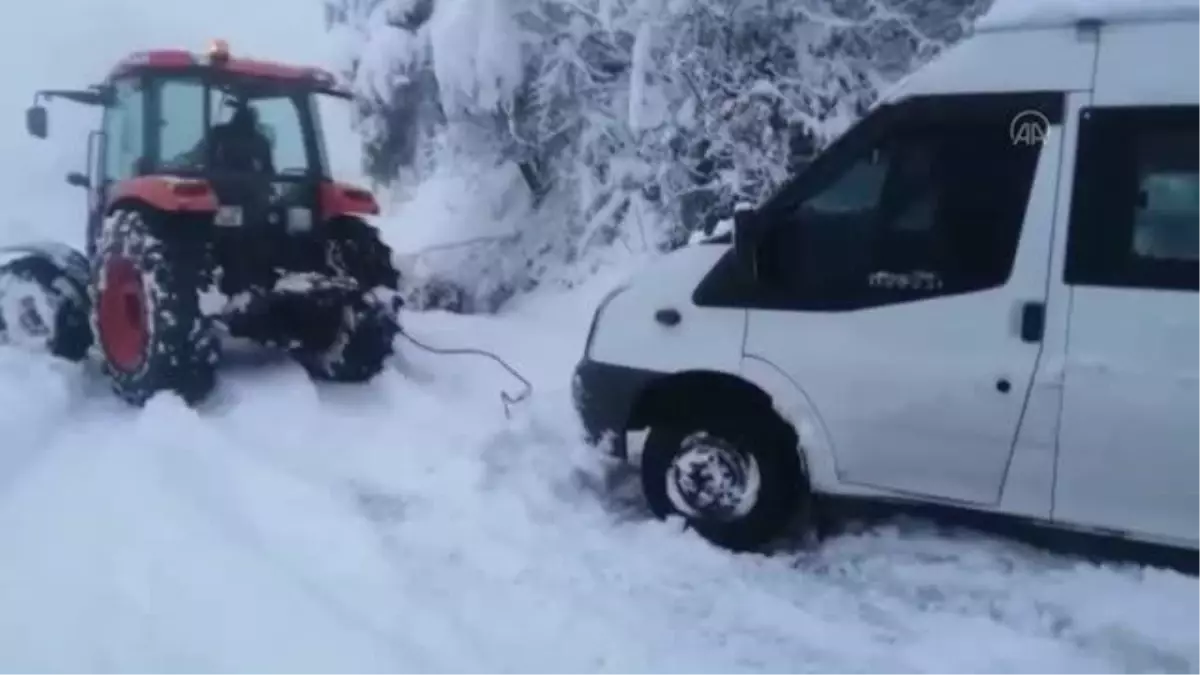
x,y
633,121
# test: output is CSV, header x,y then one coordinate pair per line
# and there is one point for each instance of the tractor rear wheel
x,y
369,322
146,311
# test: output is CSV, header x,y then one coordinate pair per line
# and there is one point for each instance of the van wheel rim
x,y
710,479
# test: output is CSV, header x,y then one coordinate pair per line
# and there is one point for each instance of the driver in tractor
x,y
238,145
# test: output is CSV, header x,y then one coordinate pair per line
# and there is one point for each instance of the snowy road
x,y
406,526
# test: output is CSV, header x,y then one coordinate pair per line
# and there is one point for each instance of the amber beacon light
x,y
218,51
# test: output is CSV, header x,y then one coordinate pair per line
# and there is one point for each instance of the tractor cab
x,y
238,137
211,214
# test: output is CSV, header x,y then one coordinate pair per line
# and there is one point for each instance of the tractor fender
x,y
340,199
165,193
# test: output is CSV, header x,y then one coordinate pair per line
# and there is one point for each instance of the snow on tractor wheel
x,y
145,307
43,307
364,339
361,348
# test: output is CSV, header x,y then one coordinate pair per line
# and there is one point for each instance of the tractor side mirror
x,y
79,180
36,121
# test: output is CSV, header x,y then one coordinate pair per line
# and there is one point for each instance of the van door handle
x,y
1033,321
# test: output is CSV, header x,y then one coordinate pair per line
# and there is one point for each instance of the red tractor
x,y
212,213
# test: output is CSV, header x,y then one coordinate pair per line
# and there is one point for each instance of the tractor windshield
x,y
235,125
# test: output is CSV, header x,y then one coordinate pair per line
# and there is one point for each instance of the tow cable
x,y
506,399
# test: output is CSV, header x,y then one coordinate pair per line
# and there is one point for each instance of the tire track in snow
x,y
233,538
64,571
337,412
129,498
508,532
446,554
310,546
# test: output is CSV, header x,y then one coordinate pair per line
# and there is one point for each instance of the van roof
x,y
1029,14
1031,45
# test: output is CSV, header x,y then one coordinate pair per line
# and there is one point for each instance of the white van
x,y
983,295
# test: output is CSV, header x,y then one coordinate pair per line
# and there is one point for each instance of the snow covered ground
x,y
408,526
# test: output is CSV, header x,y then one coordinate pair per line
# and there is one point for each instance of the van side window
x,y
1135,206
928,208
856,191
1165,219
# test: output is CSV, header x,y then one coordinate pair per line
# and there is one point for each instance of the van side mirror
x,y
749,230
36,121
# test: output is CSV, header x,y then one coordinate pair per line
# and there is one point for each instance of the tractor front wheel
x,y
43,306
146,311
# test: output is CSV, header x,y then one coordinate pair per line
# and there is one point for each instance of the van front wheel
x,y
737,483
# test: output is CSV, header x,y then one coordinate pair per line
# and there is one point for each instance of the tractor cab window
x,y
181,122
236,126
268,128
123,131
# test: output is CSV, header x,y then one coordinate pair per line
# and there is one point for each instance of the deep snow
x,y
408,526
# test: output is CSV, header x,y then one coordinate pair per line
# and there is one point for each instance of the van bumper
x,y
604,397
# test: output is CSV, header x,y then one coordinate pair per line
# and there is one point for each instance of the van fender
x,y
793,404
